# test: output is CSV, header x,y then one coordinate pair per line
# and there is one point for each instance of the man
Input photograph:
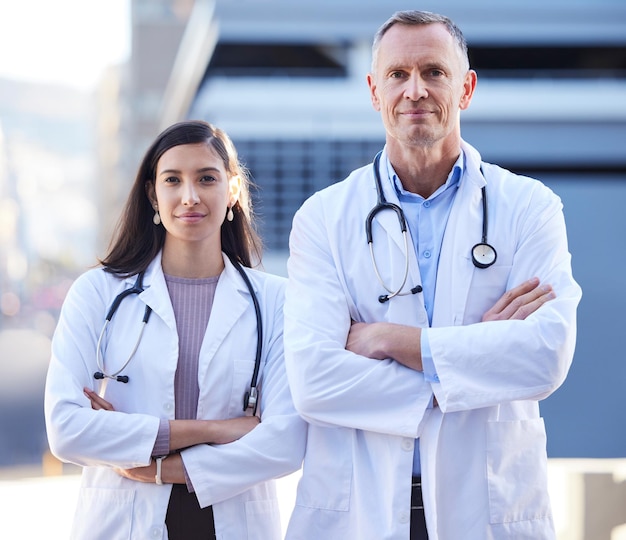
x,y
430,391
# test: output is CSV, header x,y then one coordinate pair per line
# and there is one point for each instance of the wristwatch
x,y
157,477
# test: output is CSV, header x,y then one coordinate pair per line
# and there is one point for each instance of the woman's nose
x,y
190,195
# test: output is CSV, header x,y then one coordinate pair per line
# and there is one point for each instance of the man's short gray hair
x,y
414,18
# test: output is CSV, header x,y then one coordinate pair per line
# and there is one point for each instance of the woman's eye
x,y
171,180
207,179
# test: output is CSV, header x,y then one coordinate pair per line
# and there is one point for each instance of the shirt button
x,y
408,444
156,532
426,204
169,406
404,517
427,254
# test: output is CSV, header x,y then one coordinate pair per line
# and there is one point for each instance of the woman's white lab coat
x,y
483,449
235,478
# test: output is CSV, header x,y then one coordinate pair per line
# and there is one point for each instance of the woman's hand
x,y
184,433
141,474
97,403
172,471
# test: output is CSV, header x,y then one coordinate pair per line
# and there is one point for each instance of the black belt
x,y
418,517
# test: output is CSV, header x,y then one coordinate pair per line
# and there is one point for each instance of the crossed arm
x,y
183,433
379,340
382,340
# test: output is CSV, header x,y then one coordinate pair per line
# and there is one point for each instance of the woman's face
x,y
192,192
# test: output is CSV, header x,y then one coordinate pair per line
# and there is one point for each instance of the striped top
x,y
192,300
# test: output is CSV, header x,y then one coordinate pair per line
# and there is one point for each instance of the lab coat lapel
x,y
463,231
156,294
229,304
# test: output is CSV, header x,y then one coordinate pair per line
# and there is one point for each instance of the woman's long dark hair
x,y
137,240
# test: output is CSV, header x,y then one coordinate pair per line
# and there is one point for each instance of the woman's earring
x,y
229,215
157,218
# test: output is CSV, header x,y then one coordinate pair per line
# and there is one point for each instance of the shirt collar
x,y
454,178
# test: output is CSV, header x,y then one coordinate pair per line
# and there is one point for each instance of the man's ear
x,y
372,85
469,85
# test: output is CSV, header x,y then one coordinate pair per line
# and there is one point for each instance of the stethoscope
x,y
483,254
250,398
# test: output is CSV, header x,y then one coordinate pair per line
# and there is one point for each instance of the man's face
x,y
420,84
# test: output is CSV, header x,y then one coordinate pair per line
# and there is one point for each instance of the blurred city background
x,y
85,86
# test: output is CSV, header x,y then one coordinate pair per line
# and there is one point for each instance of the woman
x,y
171,450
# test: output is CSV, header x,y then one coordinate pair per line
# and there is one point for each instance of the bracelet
x,y
157,477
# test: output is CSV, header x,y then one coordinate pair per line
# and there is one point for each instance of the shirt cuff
x,y
428,365
162,443
190,487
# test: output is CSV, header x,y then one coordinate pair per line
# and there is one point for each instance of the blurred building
x,y
130,100
47,224
287,81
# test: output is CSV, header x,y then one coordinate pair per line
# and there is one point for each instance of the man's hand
x,y
520,302
386,340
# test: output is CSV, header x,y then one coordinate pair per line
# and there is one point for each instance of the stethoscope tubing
x,y
251,396
483,253
137,288
383,204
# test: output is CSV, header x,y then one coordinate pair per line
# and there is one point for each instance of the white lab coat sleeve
x,y
487,363
330,385
77,433
272,449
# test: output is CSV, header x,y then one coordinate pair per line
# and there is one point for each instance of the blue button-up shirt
x,y
427,220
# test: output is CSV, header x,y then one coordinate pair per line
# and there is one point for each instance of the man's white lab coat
x,y
483,448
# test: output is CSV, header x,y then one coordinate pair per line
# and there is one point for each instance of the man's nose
x,y
415,88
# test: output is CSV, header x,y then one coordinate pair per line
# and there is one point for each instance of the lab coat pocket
x,y
517,470
263,518
103,513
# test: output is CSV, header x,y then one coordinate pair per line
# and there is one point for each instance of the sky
x,y
69,42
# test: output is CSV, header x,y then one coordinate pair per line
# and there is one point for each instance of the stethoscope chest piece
x,y
483,255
